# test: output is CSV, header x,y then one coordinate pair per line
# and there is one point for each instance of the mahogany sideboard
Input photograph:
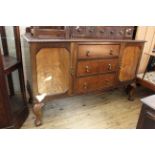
x,y
66,67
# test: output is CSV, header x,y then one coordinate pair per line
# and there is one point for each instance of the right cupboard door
x,y
130,56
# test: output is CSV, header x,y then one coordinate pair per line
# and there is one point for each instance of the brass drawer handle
x,y
87,53
109,67
87,69
85,86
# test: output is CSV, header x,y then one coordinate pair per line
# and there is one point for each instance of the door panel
x,y
129,62
52,66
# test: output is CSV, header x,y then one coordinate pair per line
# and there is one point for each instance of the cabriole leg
x,y
37,109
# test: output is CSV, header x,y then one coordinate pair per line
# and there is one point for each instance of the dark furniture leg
x,y
37,109
131,91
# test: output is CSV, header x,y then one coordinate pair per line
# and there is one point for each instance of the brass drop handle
x,y
87,69
111,52
109,67
87,53
85,86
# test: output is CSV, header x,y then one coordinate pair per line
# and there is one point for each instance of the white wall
x,y
146,33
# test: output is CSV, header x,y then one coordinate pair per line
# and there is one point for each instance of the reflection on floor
x,y
107,110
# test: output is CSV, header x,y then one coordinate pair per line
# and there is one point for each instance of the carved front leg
x,y
37,109
131,90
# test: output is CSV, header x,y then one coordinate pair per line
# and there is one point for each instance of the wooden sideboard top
x,y
30,39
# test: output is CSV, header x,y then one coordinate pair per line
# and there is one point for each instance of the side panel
x,y
129,62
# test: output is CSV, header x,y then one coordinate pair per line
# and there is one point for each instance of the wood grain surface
x,y
52,70
108,110
129,63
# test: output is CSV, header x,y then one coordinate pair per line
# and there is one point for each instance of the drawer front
x,y
89,67
97,51
93,83
107,81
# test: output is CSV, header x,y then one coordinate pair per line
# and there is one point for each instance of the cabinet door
x,y
129,62
52,71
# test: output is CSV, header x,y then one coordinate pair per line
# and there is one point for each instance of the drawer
x,y
97,51
107,81
89,67
93,83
